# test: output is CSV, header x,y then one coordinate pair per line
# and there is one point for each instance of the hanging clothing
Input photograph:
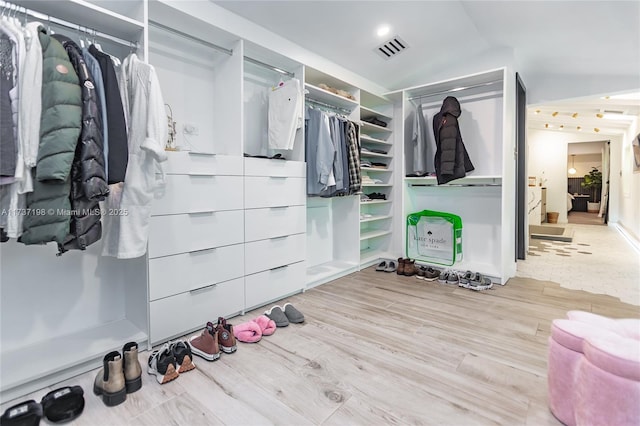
x,y
96,74
285,114
127,229
118,151
59,132
319,152
8,91
88,181
353,152
419,141
336,135
451,159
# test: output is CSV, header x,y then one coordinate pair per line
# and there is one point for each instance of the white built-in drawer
x,y
182,233
274,284
274,252
260,224
264,167
175,274
185,162
179,314
199,193
274,191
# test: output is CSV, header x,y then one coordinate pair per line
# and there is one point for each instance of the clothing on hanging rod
x,y
270,67
455,184
190,37
457,89
333,107
46,19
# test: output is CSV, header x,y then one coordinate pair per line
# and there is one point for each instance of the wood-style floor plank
x,y
375,348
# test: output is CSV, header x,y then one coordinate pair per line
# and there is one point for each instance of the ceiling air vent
x,y
391,48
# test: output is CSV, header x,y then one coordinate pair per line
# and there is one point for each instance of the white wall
x,y
629,189
547,153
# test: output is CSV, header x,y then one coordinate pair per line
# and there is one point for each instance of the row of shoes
x,y
120,375
60,405
171,360
471,280
265,325
213,340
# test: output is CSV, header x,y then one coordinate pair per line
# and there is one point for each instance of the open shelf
x,y
322,95
371,256
23,369
328,271
365,185
465,181
375,170
365,203
370,140
366,235
374,128
374,154
375,218
368,112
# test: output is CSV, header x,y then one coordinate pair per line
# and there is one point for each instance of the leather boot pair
x,y
406,267
119,375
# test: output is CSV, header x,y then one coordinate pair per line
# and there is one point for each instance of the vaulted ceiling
x,y
592,45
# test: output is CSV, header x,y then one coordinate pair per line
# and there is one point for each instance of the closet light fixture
x,y
599,115
537,111
561,127
554,114
383,30
595,129
574,115
547,125
579,128
572,170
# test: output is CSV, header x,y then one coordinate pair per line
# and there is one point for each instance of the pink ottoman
x,y
565,353
607,387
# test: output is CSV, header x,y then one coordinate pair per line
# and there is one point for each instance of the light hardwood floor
x,y
375,349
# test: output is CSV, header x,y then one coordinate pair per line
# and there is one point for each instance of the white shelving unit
x,y
484,198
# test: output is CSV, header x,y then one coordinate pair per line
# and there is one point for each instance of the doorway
x,y
587,182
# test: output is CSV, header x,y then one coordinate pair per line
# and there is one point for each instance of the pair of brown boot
x,y
120,375
406,267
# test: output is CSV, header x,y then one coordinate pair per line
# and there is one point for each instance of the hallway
x,y
598,260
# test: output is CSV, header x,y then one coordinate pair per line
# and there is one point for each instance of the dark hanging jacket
x,y
116,125
88,180
451,160
60,123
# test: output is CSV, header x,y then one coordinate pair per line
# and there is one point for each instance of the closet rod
x,y
46,19
333,107
270,67
457,89
190,37
455,184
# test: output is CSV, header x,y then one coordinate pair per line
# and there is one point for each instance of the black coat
x,y
88,179
116,124
451,160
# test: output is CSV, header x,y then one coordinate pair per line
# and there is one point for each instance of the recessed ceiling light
x,y
554,114
561,126
595,129
574,115
605,97
383,30
547,125
537,111
599,115
579,128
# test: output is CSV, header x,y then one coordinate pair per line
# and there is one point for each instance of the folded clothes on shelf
x,y
377,196
365,163
376,121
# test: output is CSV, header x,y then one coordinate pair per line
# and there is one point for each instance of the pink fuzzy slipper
x,y
267,325
248,332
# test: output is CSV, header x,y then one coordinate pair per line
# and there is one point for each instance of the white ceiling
x,y
548,41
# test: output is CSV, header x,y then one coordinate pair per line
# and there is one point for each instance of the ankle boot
x,y
132,369
110,380
400,270
409,267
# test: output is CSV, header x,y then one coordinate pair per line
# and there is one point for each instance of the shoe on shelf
x,y
392,266
431,274
293,315
162,364
109,382
132,368
226,339
465,280
277,315
453,278
184,357
400,269
382,266
206,345
409,268
480,282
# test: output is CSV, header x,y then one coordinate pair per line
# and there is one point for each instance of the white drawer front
x,y
176,315
190,271
274,192
184,233
267,254
267,286
200,193
184,163
264,167
260,224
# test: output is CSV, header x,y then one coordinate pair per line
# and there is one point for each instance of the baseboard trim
x,y
627,236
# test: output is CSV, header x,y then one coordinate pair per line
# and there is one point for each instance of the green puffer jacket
x,y
48,206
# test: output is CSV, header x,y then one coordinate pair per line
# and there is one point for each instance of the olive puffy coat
x,y
48,206
88,179
451,160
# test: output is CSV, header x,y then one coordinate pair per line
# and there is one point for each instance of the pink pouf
x,y
588,355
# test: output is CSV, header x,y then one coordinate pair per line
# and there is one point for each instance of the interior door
x,y
521,184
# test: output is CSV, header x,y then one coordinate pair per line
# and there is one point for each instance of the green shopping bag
x,y
434,237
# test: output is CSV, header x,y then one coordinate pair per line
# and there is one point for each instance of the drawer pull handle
x,y
201,175
279,267
202,250
207,212
278,177
279,207
279,238
202,153
205,288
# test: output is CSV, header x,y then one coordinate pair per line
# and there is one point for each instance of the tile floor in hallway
x,y
598,260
